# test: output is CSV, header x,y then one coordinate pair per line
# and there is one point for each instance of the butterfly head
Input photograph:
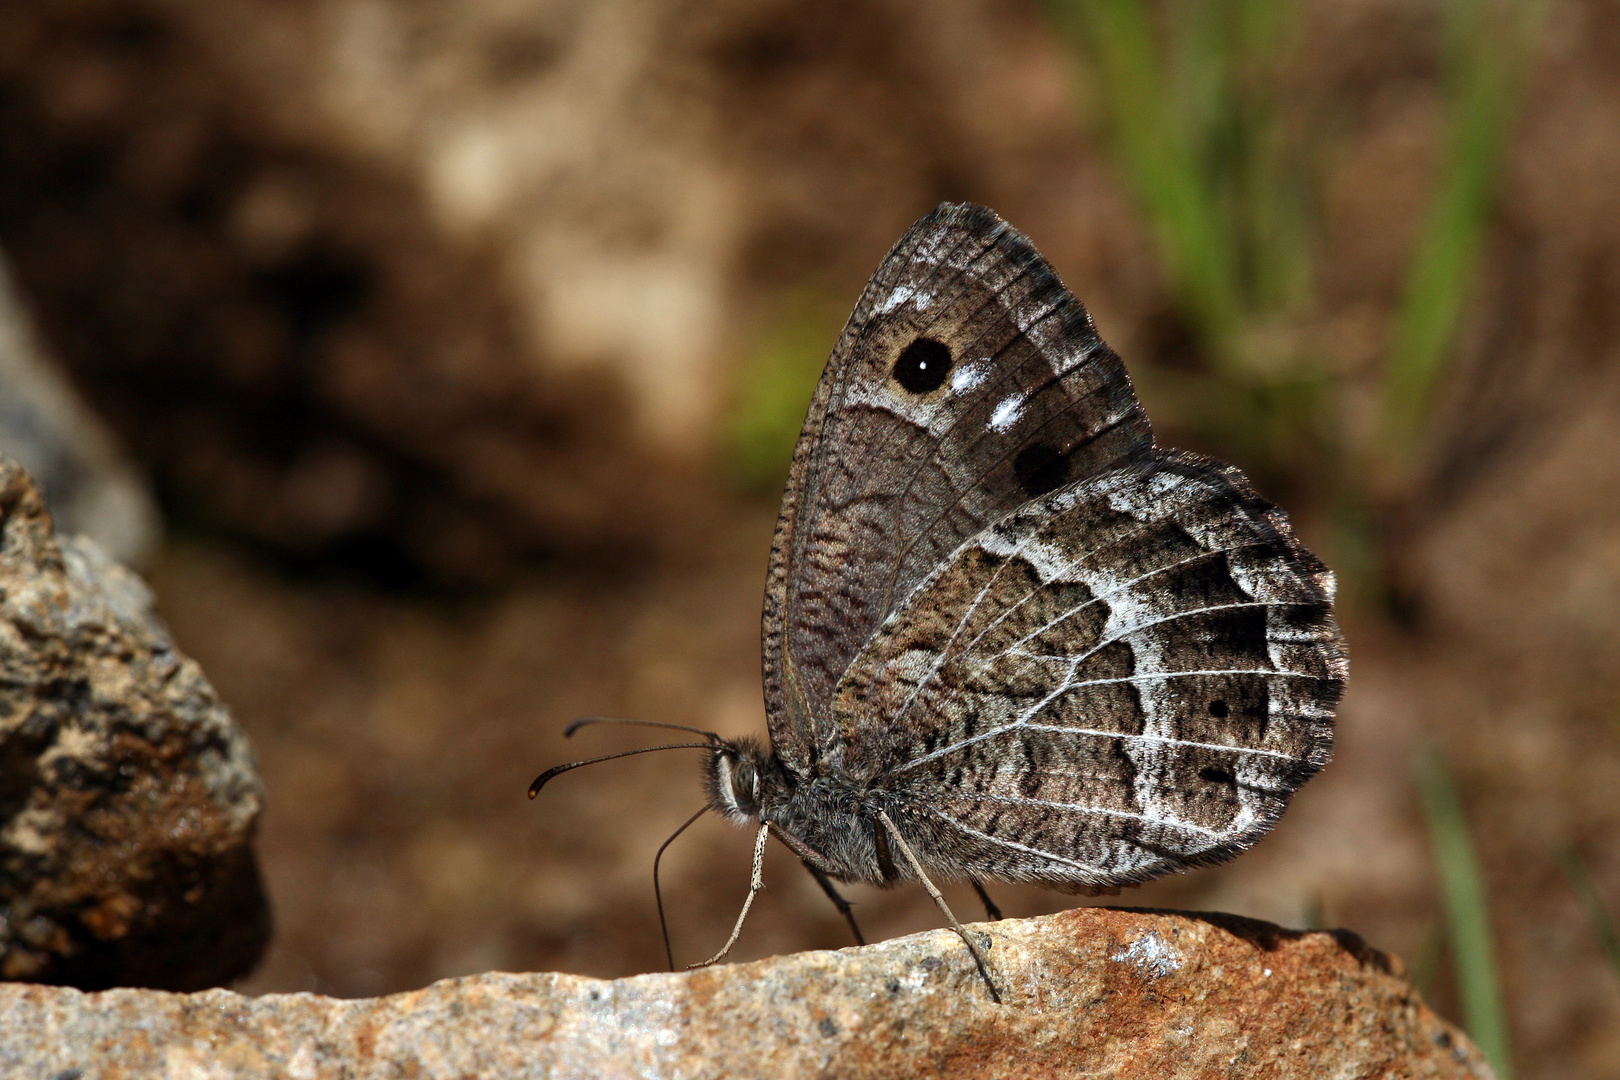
x,y
743,777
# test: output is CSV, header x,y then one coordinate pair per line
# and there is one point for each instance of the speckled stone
x,y
128,796
1090,992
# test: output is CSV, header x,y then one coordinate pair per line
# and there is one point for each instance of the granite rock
x,y
1089,992
128,796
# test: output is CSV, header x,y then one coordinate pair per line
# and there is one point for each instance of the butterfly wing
x,y
1126,677
967,381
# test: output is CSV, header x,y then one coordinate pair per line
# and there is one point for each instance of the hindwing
x,y
1127,676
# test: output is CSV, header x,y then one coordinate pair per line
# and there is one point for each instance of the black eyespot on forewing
x,y
1218,709
1041,468
922,366
1216,775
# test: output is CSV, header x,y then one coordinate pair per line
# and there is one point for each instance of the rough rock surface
x,y
128,796
1090,992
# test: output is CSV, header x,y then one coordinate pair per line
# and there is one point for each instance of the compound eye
x,y
745,784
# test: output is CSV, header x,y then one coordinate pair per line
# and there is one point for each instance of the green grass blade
x,y
1487,48
1161,165
1467,916
1603,924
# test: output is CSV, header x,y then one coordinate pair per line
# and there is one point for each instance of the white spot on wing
x,y
1152,955
901,294
970,376
1007,413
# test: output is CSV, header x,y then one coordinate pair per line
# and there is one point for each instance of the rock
x,y
91,487
128,796
1090,992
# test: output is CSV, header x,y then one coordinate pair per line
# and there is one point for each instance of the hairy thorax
x,y
828,822
838,828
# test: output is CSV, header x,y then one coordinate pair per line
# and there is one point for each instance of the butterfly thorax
x,y
829,822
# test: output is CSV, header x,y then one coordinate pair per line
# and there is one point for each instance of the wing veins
x,y
1118,541
810,498
1023,724
1003,376
944,652
1056,378
1163,739
1015,846
1076,609
836,400
1023,334
1105,642
1172,674
1128,815
983,662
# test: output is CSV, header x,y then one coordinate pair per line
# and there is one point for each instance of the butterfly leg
x,y
839,902
990,908
916,868
755,884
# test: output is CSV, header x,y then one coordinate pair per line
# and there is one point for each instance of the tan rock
x,y
1090,992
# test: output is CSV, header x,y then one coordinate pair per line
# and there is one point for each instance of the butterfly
x,y
1006,636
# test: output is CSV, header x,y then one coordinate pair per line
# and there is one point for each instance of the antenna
x,y
544,778
587,721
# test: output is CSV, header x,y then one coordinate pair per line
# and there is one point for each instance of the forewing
x,y
1127,677
967,382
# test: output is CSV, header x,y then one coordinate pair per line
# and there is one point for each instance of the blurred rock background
x,y
464,346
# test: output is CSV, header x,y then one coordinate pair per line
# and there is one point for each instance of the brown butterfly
x,y
1006,636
